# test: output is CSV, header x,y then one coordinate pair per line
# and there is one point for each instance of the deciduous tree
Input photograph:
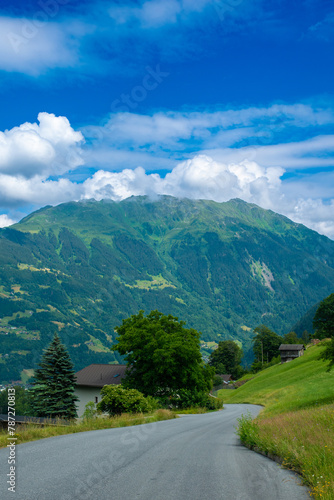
x,y
228,355
265,344
323,321
162,355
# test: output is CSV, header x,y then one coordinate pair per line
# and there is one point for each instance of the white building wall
x,y
85,395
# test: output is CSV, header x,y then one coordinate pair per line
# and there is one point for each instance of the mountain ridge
x,y
81,267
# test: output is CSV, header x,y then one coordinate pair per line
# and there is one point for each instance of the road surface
x,y
195,457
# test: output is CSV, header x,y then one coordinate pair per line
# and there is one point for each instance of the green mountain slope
x,y
301,383
81,268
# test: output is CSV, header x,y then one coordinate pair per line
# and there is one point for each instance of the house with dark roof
x,y
289,352
90,380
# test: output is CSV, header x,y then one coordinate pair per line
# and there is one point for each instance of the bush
x,y
214,403
217,380
90,411
117,400
196,399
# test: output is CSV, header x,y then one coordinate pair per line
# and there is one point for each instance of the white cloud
x,y
200,177
175,135
34,45
323,30
50,148
157,13
173,127
315,214
315,152
120,185
6,221
34,154
15,190
204,178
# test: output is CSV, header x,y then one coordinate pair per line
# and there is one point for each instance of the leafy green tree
x,y
53,390
227,355
117,400
291,338
323,321
23,403
189,399
306,337
265,344
162,355
328,354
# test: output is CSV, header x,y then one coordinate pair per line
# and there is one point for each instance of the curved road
x,y
196,457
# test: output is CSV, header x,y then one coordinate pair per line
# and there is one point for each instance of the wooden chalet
x,y
289,352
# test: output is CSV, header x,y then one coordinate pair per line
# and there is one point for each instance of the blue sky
x,y
201,99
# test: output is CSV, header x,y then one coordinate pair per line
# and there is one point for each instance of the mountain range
x,y
81,267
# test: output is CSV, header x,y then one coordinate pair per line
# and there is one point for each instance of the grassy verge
x,y
297,422
32,432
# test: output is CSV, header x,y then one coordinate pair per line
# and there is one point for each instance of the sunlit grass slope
x,y
301,383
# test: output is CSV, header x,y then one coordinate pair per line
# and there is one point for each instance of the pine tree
x,y
53,390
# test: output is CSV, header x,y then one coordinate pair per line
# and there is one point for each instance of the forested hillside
x,y
80,268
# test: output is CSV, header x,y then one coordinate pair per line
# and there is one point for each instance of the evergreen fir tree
x,y
53,390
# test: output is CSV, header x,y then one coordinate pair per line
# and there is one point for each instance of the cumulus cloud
x,y
200,177
35,156
313,213
51,147
18,190
5,220
204,178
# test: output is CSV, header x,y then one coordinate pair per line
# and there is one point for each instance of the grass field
x,y
297,423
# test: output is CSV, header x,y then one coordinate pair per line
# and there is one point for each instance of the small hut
x,y
289,352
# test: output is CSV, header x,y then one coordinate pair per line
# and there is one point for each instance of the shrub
x,y
217,380
187,399
214,403
90,411
117,400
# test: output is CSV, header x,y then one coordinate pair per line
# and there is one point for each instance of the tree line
x,y
165,366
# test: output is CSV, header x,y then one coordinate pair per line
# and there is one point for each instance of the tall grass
x,y
32,432
304,440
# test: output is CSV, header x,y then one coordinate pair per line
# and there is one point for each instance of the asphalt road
x,y
195,457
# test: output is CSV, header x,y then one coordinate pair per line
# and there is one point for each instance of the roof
x,y
291,347
98,375
225,378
